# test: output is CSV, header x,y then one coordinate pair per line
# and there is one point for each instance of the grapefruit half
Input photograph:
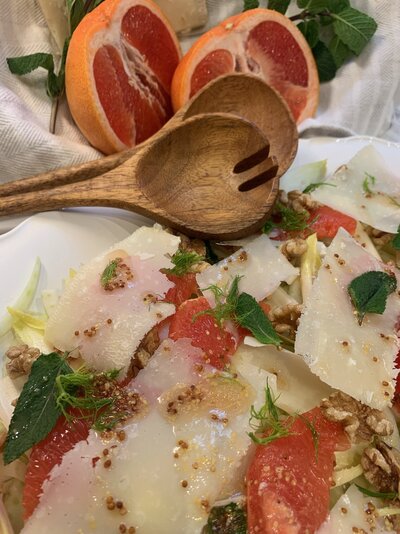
x,y
119,69
261,42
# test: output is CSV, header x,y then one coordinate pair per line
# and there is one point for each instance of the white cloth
x,y
364,98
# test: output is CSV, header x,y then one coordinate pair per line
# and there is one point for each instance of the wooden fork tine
x,y
257,175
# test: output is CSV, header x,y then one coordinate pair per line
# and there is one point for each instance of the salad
x,y
182,386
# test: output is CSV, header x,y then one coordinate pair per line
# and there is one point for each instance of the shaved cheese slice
x,y
169,468
358,360
119,318
381,208
262,266
297,389
355,512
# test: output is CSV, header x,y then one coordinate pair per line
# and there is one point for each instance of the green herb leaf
x,y
314,434
379,495
312,6
26,64
340,52
225,301
278,5
312,187
56,83
354,28
76,390
266,422
369,292
310,30
250,315
228,519
325,62
336,6
289,219
36,411
109,272
396,239
183,261
368,180
211,257
250,4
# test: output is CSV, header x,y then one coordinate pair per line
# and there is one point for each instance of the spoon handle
x,y
108,190
64,175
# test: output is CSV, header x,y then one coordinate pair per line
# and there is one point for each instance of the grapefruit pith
x,y
261,42
119,68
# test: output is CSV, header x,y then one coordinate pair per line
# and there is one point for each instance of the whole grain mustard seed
x,y
184,483
107,463
121,435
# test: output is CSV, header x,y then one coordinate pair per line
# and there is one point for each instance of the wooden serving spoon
x,y
209,176
244,95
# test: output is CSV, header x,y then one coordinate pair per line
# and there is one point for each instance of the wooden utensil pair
x,y
212,171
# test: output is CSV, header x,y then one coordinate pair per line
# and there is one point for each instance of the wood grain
x,y
183,178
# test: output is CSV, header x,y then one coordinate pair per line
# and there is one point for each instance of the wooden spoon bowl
x,y
248,96
216,182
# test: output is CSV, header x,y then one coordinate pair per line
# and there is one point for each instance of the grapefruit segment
x,y
261,42
288,480
47,454
119,69
205,333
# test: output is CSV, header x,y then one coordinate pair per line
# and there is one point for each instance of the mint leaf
x,y
250,4
396,239
312,6
340,52
249,314
228,519
36,411
369,292
354,28
335,6
310,30
278,5
325,63
26,64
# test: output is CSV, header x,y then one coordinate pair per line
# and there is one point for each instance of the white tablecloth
x,y
364,98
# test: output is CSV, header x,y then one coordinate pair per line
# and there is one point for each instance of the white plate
x,y
65,239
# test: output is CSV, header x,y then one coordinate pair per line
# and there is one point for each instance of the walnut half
x,y
21,359
286,318
381,465
360,422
